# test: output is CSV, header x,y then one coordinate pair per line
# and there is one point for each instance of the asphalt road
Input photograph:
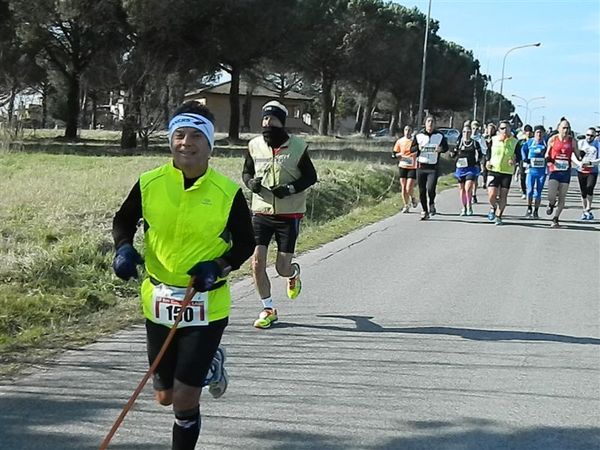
x,y
447,334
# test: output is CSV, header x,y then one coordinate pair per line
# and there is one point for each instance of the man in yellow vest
x,y
196,224
278,170
500,164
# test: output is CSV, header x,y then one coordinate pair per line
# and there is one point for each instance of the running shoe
x,y
499,221
266,318
294,285
529,212
554,223
523,196
549,210
584,216
491,215
414,202
535,214
424,216
217,379
469,211
590,215
432,210
474,199
463,212
218,388
405,209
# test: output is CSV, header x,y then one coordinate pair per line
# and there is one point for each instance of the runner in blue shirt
x,y
533,153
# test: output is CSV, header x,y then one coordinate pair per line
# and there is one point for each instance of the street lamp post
x,y
485,95
527,102
533,109
502,76
526,111
423,68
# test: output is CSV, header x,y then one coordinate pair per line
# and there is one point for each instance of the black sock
x,y
186,430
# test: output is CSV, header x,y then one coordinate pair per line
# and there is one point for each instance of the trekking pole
x,y
189,294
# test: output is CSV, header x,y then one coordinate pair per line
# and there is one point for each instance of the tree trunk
x,y
326,86
129,129
83,114
11,104
359,115
72,106
332,112
165,104
395,122
247,108
145,140
234,104
94,100
128,133
365,127
45,88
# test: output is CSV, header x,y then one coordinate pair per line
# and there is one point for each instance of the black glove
x,y
254,184
281,191
125,262
205,274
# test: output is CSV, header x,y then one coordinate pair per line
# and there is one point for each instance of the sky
x,y
565,69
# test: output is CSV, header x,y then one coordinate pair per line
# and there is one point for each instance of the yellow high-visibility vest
x,y
184,227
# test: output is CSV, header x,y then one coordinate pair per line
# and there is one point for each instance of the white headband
x,y
189,120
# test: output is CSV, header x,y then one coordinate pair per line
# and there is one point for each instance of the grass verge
x,y
57,290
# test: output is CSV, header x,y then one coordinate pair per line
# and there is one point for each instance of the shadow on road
x,y
528,223
479,434
364,324
18,432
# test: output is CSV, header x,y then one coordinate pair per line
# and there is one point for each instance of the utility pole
x,y
423,69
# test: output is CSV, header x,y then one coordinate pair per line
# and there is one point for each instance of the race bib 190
x,y
167,305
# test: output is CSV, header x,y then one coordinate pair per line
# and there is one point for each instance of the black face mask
x,y
274,136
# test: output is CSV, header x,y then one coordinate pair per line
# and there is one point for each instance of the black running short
x,y
286,231
188,357
468,177
501,180
408,173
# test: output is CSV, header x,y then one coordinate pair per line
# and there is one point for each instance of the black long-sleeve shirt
x,y
308,174
239,225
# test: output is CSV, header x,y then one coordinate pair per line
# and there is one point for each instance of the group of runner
x,y
534,156
198,228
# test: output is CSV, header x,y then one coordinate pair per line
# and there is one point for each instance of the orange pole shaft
x,y
189,294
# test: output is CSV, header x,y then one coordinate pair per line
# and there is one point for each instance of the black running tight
x,y
427,181
587,183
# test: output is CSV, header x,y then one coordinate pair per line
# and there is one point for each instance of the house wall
x,y
219,106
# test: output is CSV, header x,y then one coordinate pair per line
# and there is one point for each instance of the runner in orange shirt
x,y
407,163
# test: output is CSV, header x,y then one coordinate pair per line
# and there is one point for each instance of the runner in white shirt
x,y
587,170
429,143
